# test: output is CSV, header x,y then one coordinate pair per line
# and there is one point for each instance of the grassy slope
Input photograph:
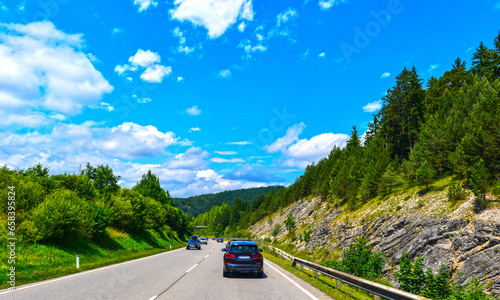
x,y
41,262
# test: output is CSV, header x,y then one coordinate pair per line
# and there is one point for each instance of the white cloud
x,y
183,48
241,27
116,30
44,68
148,60
106,106
373,106
385,75
225,73
432,68
143,5
290,14
180,79
144,58
193,111
192,129
215,15
131,141
226,152
155,73
291,136
192,159
3,7
220,160
301,152
322,54
327,4
250,49
239,143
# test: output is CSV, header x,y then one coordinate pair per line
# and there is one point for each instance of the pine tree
x,y
425,174
403,113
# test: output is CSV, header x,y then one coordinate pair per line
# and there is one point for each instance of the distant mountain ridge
x,y
196,205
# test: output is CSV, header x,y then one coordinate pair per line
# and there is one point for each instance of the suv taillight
x,y
229,255
258,256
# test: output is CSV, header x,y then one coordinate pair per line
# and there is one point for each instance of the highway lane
x,y
178,274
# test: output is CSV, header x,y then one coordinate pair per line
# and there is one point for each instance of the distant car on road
x,y
242,257
194,242
220,240
204,240
213,239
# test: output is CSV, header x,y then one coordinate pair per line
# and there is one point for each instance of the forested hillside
x,y
196,205
52,209
447,126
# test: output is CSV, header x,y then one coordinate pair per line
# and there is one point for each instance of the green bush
x,y
120,211
60,215
99,218
456,192
276,230
358,260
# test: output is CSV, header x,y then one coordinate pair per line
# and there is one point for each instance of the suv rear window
x,y
244,248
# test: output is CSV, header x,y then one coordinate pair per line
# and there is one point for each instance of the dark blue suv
x,y
243,257
194,242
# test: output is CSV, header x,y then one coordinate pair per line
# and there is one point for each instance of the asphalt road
x,y
178,274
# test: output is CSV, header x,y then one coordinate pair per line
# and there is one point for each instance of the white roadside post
x,y
78,261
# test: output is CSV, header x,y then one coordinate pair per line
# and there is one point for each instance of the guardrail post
x,y
338,283
78,261
301,267
376,297
315,273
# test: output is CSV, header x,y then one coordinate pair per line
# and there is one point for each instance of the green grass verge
x,y
40,262
323,283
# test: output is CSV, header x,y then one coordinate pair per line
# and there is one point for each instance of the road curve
x,y
178,274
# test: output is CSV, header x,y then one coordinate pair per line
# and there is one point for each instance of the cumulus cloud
x,y
192,159
143,5
241,27
183,48
432,68
193,111
301,152
45,69
179,79
373,106
155,73
225,73
322,54
148,61
192,129
385,75
215,15
291,136
131,141
286,16
327,4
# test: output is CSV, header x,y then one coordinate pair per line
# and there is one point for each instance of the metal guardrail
x,y
377,289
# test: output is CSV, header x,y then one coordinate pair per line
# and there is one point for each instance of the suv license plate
x,y
244,257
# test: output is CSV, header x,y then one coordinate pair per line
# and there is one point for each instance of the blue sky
x,y
212,94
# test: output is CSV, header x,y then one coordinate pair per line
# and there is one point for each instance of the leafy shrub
x,y
276,230
307,236
99,218
358,260
473,290
290,222
456,192
60,215
135,212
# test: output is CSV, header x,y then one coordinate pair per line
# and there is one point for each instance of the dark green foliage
x,y
99,218
473,290
411,275
290,222
479,179
149,186
306,237
103,178
425,174
456,192
359,261
390,179
276,230
60,216
437,286
196,205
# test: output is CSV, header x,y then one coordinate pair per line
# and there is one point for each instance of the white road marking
x,y
207,255
86,272
153,298
296,284
191,268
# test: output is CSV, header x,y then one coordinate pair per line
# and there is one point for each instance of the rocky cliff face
x,y
427,226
